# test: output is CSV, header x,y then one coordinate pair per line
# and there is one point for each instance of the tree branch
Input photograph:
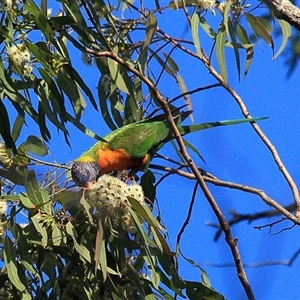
x,y
285,10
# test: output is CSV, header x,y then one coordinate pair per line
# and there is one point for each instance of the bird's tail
x,y
185,129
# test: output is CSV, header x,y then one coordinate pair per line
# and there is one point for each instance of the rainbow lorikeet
x,y
130,147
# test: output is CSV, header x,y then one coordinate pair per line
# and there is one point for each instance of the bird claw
x,y
132,176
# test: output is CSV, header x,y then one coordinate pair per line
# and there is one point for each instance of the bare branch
x,y
252,190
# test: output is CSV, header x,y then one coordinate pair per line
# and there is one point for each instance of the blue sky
x,y
232,153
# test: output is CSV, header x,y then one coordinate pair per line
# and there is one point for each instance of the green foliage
x,y
64,249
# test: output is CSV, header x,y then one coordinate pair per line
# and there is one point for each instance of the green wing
x,y
138,138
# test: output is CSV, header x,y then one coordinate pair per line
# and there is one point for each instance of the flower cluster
x,y
6,5
3,221
111,194
206,4
5,159
20,55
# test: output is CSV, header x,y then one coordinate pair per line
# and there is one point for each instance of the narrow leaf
x,y
16,277
184,90
162,63
102,94
244,39
207,28
5,128
286,33
74,74
35,146
260,30
14,175
235,47
70,88
32,187
116,75
171,62
220,45
39,18
151,25
195,33
83,251
18,125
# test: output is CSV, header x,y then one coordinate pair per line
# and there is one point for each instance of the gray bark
x,y
284,9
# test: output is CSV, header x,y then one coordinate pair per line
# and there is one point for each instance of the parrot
x,y
131,146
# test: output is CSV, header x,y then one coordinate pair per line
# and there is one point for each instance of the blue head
x,y
84,173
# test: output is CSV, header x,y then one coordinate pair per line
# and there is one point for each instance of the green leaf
x,y
151,25
40,229
49,264
102,94
197,290
100,252
54,95
146,214
39,18
244,39
286,33
226,19
44,92
186,97
72,8
207,28
5,128
171,62
42,124
162,63
58,236
133,112
147,183
220,45
82,128
17,99
42,54
83,251
26,201
35,146
195,33
44,6
74,74
235,45
15,274
260,29
70,88
194,149
68,199
18,125
117,76
32,188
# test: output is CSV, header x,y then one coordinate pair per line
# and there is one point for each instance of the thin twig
x,y
185,223
199,89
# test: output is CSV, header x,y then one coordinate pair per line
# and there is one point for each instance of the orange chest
x,y
116,160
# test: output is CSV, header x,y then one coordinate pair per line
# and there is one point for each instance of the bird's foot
x,y
132,176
